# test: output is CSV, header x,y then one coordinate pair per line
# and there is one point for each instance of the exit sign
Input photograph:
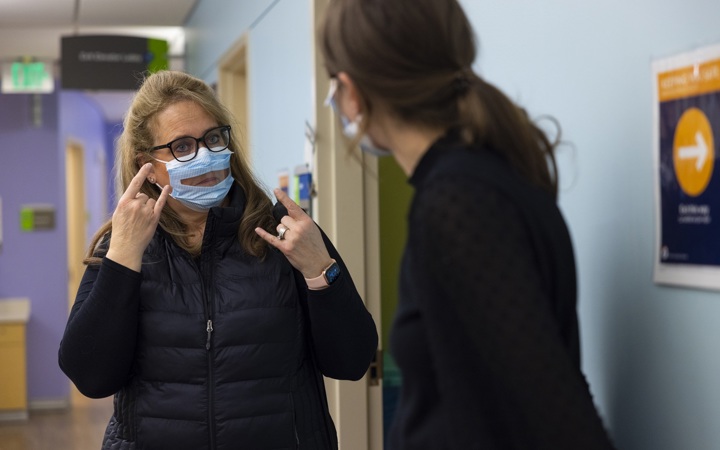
x,y
27,77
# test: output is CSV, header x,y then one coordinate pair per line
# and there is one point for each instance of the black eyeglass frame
x,y
222,128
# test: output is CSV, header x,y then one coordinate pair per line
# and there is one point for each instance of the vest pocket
x,y
124,415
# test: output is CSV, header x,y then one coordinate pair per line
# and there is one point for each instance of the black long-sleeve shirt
x,y
486,331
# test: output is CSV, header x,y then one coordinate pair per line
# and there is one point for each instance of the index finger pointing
x,y
137,181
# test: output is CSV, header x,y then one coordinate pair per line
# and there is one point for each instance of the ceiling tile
x,y
36,13
134,12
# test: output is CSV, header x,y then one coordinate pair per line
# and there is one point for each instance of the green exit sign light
x,y
27,77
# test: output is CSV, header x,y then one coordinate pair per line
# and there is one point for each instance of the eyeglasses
x,y
185,148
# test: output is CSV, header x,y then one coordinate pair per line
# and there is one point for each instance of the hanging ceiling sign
x,y
27,76
687,188
109,62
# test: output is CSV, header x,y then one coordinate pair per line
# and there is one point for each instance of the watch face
x,y
332,273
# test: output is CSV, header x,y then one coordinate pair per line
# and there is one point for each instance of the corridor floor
x,y
78,428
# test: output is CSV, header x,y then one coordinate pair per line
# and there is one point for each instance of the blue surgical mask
x,y
200,198
350,128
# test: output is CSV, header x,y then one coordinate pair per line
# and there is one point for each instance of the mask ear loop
x,y
330,99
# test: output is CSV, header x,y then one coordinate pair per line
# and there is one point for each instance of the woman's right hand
x,y
134,222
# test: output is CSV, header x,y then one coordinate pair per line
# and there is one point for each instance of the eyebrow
x,y
188,136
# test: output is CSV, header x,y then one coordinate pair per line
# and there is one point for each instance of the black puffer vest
x,y
222,360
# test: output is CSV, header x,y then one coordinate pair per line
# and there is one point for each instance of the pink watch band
x,y
319,282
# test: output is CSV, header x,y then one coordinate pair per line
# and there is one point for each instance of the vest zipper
x,y
211,388
209,330
208,347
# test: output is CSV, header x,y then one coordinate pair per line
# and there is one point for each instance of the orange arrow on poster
x,y
693,154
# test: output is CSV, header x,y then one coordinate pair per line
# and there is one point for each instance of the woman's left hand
x,y
302,243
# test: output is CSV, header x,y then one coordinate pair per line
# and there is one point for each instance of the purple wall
x,y
33,264
32,170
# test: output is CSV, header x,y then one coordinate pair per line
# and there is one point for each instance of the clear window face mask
x,y
200,198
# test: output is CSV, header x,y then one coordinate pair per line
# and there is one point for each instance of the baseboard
x,y
49,404
14,415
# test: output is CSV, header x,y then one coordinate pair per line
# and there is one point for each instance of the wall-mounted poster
x,y
686,105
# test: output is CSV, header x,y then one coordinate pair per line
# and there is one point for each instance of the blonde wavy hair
x,y
159,91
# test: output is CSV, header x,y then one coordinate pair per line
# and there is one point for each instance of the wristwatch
x,y
326,278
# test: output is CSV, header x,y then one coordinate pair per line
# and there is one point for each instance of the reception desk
x,y
14,315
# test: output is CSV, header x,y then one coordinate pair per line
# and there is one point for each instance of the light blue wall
x,y
280,88
214,26
650,352
279,72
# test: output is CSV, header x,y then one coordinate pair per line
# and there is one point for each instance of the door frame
x,y
76,222
233,92
76,215
346,207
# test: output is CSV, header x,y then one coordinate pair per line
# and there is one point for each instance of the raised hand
x,y
302,242
134,222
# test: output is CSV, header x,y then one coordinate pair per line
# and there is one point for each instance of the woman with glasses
x,y
211,331
486,332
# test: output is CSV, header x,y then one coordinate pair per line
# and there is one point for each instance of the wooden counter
x,y
14,315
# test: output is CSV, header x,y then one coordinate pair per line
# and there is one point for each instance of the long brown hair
x,y
159,91
415,57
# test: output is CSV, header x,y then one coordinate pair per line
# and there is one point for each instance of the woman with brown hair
x,y
486,332
211,332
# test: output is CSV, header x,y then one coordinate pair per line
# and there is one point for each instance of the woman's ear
x,y
349,99
142,159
